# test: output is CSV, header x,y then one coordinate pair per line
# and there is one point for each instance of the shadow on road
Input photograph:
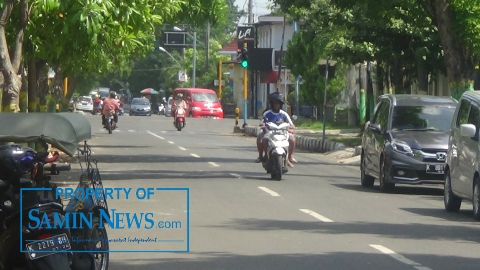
x,y
404,190
462,215
330,260
120,146
393,230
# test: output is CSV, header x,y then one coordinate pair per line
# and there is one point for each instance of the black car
x,y
406,141
140,106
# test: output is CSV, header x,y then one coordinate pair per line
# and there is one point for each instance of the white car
x,y
84,104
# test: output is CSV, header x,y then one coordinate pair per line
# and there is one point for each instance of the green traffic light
x,y
244,64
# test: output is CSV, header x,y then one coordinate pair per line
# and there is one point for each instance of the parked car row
x,y
417,139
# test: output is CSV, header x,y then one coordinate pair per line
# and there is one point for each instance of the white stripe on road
x,y
213,164
131,130
316,215
155,135
236,175
399,257
195,155
170,142
269,191
182,148
163,131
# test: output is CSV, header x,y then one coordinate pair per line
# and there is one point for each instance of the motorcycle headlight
x,y
402,147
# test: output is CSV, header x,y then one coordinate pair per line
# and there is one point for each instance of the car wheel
x,y
384,186
452,202
476,199
367,180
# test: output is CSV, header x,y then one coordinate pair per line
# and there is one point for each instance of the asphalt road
x,y
318,217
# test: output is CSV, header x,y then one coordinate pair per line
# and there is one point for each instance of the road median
x,y
303,142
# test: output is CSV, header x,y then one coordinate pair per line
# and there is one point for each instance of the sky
x,y
260,7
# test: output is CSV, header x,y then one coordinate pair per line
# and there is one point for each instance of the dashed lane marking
x,y
182,148
170,142
269,191
131,130
213,164
399,257
155,135
236,175
316,215
195,155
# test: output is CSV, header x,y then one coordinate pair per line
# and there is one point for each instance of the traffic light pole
x,y
245,87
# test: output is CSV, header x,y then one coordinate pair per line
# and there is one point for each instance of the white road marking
x,y
236,175
170,142
316,215
155,135
399,257
269,191
195,155
131,130
182,148
213,164
163,131
117,130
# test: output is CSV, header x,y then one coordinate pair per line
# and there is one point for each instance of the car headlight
x,y
402,147
147,109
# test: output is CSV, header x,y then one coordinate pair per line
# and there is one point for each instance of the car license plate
x,y
435,168
47,246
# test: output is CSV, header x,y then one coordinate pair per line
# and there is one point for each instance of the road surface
x,y
318,217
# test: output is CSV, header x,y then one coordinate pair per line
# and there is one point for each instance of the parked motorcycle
x,y
180,115
110,124
41,244
277,151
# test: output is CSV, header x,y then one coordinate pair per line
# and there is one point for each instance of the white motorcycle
x,y
277,151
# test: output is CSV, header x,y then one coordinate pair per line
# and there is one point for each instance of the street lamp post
x,y
171,56
194,60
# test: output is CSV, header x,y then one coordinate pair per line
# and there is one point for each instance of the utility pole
x,y
208,48
250,11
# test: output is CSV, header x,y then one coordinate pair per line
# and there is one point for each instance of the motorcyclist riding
x,y
274,114
97,103
110,105
177,104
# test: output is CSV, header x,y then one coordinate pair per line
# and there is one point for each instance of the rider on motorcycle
x,y
97,103
110,105
274,114
177,104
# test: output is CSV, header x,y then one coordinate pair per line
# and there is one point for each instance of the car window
x,y
377,109
463,113
422,118
381,115
140,101
474,118
205,97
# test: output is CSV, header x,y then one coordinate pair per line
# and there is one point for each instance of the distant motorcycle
x,y
97,110
180,115
110,124
277,150
161,109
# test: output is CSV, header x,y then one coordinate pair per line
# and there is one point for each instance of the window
x,y
381,115
205,97
140,101
377,109
463,113
422,118
474,118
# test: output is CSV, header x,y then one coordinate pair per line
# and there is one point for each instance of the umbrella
x,y
149,91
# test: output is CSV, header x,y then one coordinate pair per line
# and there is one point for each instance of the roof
x,y
231,48
195,89
472,94
419,100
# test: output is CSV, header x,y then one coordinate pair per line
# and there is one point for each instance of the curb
x,y
303,142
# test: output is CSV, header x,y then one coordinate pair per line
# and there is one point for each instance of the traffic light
x,y
244,58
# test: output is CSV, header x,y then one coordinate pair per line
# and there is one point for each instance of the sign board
x,y
288,79
182,76
261,59
215,82
177,39
246,34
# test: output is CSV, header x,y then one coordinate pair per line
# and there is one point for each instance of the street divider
x,y
303,142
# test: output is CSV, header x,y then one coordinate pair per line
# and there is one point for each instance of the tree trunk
x,y
23,103
72,85
422,78
42,85
380,79
459,59
32,86
10,61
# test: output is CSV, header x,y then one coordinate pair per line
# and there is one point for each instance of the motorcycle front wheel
x,y
277,169
100,234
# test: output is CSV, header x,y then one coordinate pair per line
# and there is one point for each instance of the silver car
x,y
140,106
84,104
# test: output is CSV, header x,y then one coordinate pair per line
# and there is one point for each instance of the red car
x,y
201,102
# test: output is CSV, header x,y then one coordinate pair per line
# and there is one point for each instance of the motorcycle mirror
x,y
294,117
